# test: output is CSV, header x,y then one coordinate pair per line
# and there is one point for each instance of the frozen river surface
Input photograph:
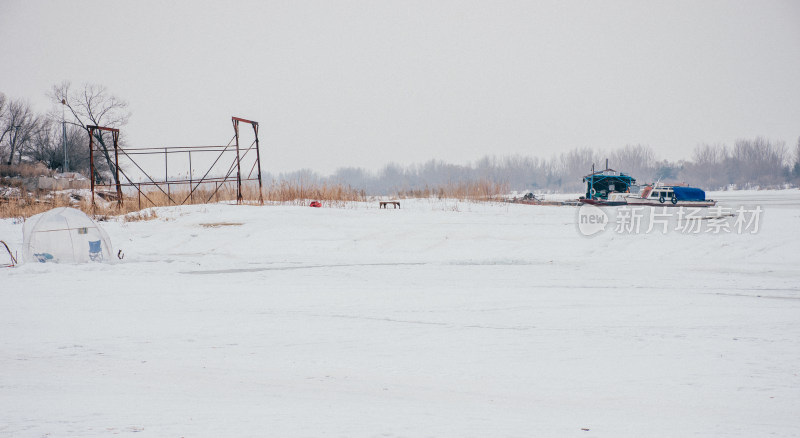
x,y
442,319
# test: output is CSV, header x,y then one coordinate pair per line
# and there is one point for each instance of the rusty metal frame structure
x,y
218,181
115,136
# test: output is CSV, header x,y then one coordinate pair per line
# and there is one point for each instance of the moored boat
x,y
671,196
607,187
612,199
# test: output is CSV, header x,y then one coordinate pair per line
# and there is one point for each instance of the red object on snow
x,y
315,204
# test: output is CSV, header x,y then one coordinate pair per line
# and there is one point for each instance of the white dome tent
x,y
64,235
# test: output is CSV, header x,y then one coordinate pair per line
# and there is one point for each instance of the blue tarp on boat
x,y
689,194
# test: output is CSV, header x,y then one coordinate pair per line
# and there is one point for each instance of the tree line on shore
x,y
749,163
57,139
27,138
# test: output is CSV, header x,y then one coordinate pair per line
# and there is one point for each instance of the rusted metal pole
x,y
258,160
92,170
191,192
238,163
91,163
115,136
166,174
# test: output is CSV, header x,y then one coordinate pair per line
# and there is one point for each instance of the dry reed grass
x,y
24,170
137,206
284,192
28,206
141,215
481,190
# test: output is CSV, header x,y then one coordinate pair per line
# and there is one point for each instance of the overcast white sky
x,y
363,83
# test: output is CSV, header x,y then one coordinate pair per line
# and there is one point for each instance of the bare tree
x,y
27,134
796,164
43,148
19,125
758,161
638,161
708,167
567,172
355,177
47,147
3,115
92,105
3,111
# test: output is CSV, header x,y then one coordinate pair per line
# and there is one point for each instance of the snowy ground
x,y
442,319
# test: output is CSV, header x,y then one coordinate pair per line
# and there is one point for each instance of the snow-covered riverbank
x,y
442,318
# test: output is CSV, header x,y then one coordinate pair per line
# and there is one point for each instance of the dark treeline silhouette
x,y
756,163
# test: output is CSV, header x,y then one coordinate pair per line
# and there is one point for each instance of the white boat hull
x,y
669,203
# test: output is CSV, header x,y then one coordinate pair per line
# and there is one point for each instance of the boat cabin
x,y
676,192
600,184
658,193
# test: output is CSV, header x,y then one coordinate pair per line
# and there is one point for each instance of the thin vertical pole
x,y
166,173
91,163
115,136
238,165
64,135
258,159
191,192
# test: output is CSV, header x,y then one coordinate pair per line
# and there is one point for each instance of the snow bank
x,y
442,318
